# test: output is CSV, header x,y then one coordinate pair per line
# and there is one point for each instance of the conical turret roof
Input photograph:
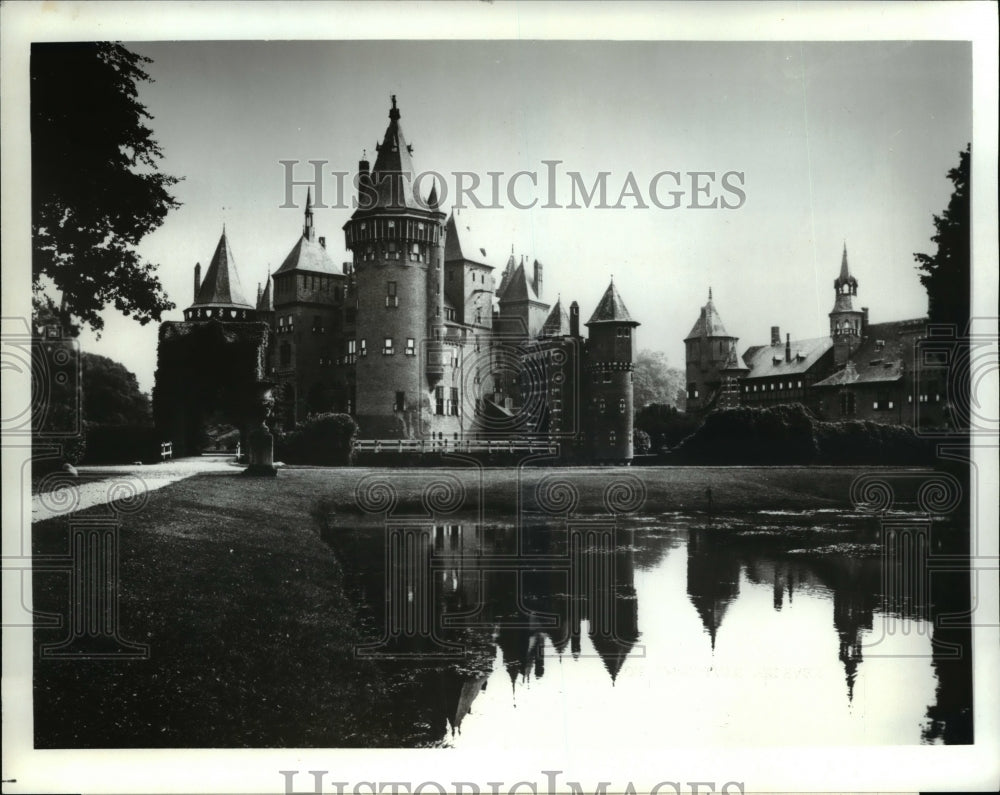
x,y
221,285
266,301
393,174
611,309
708,324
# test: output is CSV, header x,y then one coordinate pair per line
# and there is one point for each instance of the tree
x,y
111,394
654,380
96,187
946,274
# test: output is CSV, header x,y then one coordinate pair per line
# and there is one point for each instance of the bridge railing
x,y
456,446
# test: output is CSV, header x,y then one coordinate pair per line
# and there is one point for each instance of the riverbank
x,y
250,632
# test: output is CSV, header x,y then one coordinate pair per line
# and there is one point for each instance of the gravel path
x,y
124,485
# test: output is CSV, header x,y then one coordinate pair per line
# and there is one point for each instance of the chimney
x,y
864,322
775,335
322,242
788,347
197,279
538,278
574,319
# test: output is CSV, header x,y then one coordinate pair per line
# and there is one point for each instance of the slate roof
x,y
265,303
462,243
767,361
557,323
393,161
611,309
882,356
519,288
708,324
221,285
308,255
508,271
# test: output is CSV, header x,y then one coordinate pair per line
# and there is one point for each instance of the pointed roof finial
x,y
309,200
394,111
709,293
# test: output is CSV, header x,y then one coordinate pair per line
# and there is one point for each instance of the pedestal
x,y
260,453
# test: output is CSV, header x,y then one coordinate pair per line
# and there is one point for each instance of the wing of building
x,y
859,370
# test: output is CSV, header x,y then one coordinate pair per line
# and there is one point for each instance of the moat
x,y
774,628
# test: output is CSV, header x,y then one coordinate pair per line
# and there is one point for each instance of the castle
x,y
414,338
860,370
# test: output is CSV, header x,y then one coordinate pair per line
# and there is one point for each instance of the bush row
x,y
789,434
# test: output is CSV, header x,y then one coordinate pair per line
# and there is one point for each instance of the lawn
x,y
244,609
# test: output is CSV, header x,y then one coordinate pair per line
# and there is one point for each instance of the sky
x,y
837,143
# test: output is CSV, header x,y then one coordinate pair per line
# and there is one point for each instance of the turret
x,y
610,364
846,322
220,295
396,241
711,361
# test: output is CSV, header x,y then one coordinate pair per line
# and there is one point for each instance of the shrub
x,y
322,440
790,435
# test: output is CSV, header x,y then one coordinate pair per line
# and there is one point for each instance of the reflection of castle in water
x,y
463,590
520,594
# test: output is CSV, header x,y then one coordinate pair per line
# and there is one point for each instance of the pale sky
x,y
838,142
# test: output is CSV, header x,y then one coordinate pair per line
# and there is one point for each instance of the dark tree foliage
x,y
96,188
665,425
111,394
946,274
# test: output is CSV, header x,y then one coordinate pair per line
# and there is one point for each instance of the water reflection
x,y
743,629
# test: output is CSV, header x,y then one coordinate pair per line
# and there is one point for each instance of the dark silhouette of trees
x,y
96,187
111,394
946,274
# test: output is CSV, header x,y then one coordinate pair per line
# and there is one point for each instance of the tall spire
x,y
845,271
709,293
308,230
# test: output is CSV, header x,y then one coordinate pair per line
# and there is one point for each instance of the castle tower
x,y
610,366
846,322
397,243
711,362
219,296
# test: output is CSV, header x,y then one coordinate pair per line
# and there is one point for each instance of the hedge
x,y
322,440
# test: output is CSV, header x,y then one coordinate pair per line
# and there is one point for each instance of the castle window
x,y
621,406
772,386
281,322
800,385
392,249
415,252
890,404
453,402
601,405
454,357
400,404
410,347
369,253
351,351
364,347
612,437
392,224
387,347
391,299
439,400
